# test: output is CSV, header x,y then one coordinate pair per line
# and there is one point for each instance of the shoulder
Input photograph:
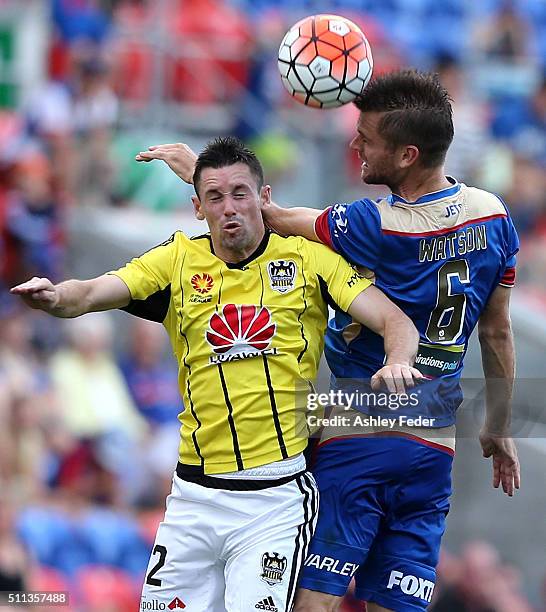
x,y
355,216
363,207
181,242
298,245
287,244
483,203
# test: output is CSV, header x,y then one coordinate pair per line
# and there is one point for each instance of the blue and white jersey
x,y
439,258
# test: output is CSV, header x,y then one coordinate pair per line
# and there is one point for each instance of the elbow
x,y
488,334
403,326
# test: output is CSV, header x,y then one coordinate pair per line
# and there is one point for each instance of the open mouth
x,y
232,225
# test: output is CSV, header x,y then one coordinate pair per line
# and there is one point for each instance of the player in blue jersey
x,y
445,253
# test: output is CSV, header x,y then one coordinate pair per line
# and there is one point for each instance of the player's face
x,y
377,156
231,202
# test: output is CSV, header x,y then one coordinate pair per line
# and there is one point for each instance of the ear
x,y
197,208
265,196
408,156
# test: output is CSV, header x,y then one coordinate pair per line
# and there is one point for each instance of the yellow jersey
x,y
246,336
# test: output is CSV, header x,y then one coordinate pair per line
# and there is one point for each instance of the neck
x,y
412,187
235,254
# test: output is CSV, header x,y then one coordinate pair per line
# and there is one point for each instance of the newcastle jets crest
x,y
282,275
273,567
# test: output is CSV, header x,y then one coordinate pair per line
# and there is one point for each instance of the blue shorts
x,y
383,505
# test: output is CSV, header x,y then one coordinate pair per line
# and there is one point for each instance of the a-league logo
x,y
273,568
282,274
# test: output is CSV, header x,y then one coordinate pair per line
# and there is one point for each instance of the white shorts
x,y
221,550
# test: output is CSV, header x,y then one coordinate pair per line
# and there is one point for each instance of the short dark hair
x,y
227,151
417,111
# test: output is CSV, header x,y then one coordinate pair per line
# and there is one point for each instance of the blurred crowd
x,y
115,67
88,428
88,444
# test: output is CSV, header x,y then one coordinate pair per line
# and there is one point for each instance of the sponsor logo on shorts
x,y
273,568
155,604
176,604
411,585
282,274
267,604
152,604
240,332
335,566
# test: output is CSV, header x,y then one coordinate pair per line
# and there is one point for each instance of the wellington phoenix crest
x,y
240,332
282,274
273,568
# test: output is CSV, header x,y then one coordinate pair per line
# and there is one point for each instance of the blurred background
x,y
88,429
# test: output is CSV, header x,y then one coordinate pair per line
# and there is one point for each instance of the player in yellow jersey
x,y
246,312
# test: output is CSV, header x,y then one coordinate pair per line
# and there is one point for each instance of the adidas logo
x,y
267,604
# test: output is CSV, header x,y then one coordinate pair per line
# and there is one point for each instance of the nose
x,y
229,206
354,144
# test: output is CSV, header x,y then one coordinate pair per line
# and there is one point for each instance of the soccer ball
x,y
325,61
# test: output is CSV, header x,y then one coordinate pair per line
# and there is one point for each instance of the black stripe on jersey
x,y
153,308
188,367
326,296
306,530
188,390
304,291
274,410
236,449
219,301
263,286
201,236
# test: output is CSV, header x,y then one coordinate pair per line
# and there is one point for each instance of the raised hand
x,y
178,156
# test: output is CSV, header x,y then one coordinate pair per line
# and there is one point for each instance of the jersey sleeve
x,y
340,283
508,278
148,278
352,230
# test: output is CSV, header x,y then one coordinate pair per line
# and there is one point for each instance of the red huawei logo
x,y
240,329
202,283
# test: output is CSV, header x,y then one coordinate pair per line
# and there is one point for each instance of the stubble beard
x,y
239,243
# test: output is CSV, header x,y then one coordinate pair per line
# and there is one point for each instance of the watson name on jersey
x,y
438,258
245,335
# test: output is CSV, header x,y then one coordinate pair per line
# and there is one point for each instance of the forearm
x,y
497,348
296,221
401,340
76,297
72,299
374,310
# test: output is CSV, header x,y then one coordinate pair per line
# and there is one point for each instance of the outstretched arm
x,y
73,298
373,309
497,347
